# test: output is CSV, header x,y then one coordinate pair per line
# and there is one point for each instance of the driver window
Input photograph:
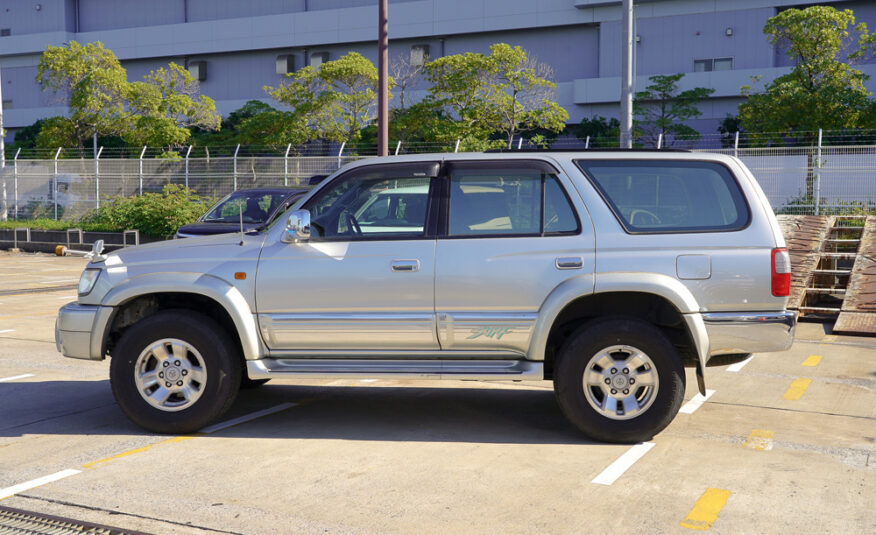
x,y
372,207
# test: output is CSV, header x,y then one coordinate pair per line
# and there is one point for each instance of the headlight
x,y
87,280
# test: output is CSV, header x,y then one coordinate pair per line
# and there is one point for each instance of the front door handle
x,y
570,262
405,265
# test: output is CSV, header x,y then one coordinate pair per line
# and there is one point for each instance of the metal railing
x,y
835,174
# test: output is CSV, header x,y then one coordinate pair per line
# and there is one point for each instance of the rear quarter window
x,y
660,196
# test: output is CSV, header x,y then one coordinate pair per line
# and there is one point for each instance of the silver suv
x,y
605,272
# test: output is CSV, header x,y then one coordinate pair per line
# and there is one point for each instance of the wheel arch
x,y
646,296
143,296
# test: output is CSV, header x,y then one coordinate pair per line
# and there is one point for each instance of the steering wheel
x,y
352,224
646,217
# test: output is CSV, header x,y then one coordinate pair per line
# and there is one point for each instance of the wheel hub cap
x,y
620,382
170,374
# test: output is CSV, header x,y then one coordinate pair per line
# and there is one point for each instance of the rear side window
x,y
508,201
654,196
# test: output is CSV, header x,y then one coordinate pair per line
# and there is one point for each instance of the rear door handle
x,y
405,265
570,262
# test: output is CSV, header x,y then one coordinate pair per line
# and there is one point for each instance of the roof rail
x,y
615,149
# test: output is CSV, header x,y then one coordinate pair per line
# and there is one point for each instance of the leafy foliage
x,y
154,214
505,91
662,109
165,105
91,79
602,132
821,91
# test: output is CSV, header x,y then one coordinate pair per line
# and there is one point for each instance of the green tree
x,y
92,81
505,91
602,132
822,90
165,106
334,101
229,132
728,127
662,109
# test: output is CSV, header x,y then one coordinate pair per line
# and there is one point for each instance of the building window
x,y
713,64
198,70
285,64
5,32
318,58
419,55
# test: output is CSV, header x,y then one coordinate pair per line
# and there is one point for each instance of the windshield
x,y
253,206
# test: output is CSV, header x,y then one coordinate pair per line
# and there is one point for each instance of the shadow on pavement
x,y
413,414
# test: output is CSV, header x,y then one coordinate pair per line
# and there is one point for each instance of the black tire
x,y
657,408
221,367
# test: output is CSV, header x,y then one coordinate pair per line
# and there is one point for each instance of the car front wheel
x,y
175,372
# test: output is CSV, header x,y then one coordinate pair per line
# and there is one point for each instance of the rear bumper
x,y
76,328
750,332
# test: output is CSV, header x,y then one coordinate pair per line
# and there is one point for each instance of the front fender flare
x,y
209,286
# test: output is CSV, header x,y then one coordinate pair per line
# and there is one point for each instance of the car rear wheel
x,y
619,380
175,372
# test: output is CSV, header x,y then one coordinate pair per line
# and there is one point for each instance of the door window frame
x,y
540,166
428,169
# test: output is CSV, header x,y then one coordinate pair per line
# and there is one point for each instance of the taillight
x,y
781,272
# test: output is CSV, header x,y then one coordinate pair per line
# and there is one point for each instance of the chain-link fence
x,y
832,174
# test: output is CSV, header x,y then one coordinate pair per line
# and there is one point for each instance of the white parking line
x,y
16,377
7,331
696,402
734,368
245,418
59,280
69,297
622,464
27,485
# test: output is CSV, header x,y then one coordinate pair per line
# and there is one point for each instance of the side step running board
x,y
485,370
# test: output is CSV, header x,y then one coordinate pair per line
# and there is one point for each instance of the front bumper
x,y
78,330
750,332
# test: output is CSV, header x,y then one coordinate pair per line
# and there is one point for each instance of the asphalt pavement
x,y
784,442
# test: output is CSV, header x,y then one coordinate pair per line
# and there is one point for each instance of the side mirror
x,y
297,227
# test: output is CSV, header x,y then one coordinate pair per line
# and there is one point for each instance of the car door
x,y
365,278
511,234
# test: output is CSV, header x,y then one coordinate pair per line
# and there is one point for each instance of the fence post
x,y
818,176
660,141
187,165
520,143
142,152
457,146
235,166
587,143
97,177
736,145
286,165
340,152
15,181
397,147
55,183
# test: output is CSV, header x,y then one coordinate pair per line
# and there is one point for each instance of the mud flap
x,y
701,379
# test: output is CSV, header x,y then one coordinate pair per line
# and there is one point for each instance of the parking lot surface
x,y
784,442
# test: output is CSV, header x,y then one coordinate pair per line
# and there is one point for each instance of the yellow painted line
x,y
812,360
134,452
795,391
705,512
759,440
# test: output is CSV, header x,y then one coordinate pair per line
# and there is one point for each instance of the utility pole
x,y
4,207
626,103
382,80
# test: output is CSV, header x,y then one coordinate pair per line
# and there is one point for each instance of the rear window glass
x,y
664,196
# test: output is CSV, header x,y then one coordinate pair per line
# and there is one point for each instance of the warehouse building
x,y
235,48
